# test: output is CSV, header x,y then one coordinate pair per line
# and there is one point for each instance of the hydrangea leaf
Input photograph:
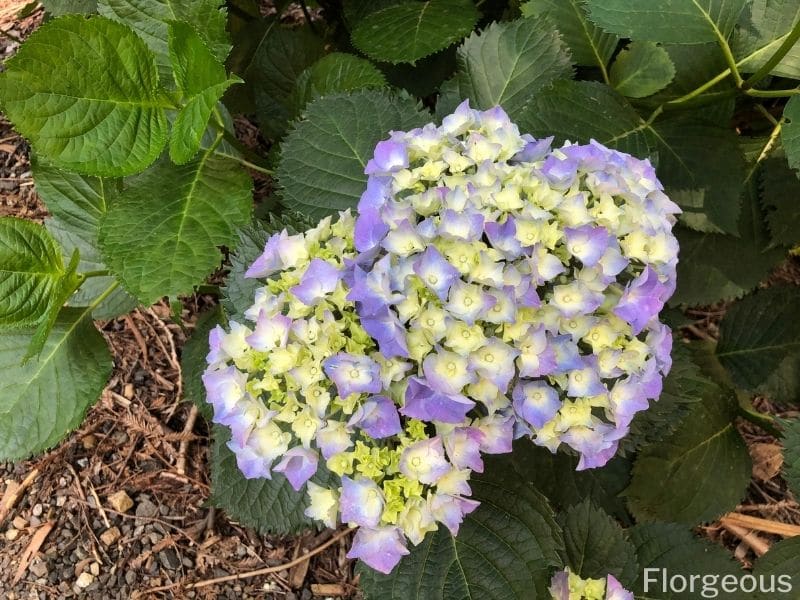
x,y
239,292
778,565
695,162
673,548
555,476
57,8
202,80
161,245
41,401
781,199
642,69
508,64
266,505
93,106
684,386
409,31
505,549
676,22
791,455
582,110
716,267
272,75
335,72
151,18
321,169
193,359
790,134
31,270
355,10
758,333
763,27
77,203
595,544
590,46
698,473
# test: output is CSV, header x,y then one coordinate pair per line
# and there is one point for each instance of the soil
x,y
119,508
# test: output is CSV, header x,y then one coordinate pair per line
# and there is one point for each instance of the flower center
x,y
432,279
354,373
416,461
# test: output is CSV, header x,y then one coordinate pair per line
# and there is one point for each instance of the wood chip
x,y
328,589
33,547
767,460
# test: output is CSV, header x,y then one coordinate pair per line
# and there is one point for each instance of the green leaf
x,y
43,400
202,80
671,548
266,505
642,69
409,31
763,27
781,200
791,455
93,106
193,359
721,267
780,565
77,203
67,286
239,292
31,271
509,63
581,110
698,473
151,18
355,10
336,72
684,386
555,476
321,169
590,46
505,549
277,63
790,133
758,333
57,8
596,546
676,21
698,162
161,245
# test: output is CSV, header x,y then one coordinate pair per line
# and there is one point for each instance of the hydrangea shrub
x,y
467,333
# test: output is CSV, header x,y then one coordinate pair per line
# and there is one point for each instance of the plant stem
x,y
98,273
105,294
253,166
696,92
773,60
772,93
749,413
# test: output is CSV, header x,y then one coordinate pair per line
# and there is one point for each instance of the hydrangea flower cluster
x,y
302,384
525,282
569,586
489,288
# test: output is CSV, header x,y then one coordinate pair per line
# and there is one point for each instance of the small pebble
x,y
94,568
12,534
120,501
84,580
109,536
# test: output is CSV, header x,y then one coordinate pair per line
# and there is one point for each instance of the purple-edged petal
x,y
426,404
361,501
380,547
224,388
390,156
270,332
298,465
335,437
498,431
533,150
353,374
587,243
536,402
320,279
615,591
559,586
378,417
450,510
503,237
560,172
385,328
585,381
424,461
435,272
447,372
462,225
642,300
463,446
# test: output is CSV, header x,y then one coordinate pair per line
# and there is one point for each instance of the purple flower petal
x,y
380,547
587,243
450,510
270,332
424,461
298,465
361,501
385,328
353,374
463,446
536,402
424,403
642,300
390,156
319,280
378,417
435,272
